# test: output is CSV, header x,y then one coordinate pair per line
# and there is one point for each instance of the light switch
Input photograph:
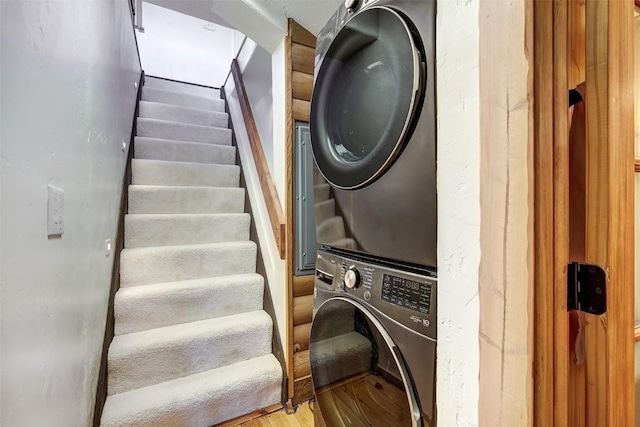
x,y
55,214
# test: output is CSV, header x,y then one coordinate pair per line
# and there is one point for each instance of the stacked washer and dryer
x,y
373,338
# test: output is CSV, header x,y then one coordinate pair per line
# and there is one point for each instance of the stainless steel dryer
x,y
373,130
372,346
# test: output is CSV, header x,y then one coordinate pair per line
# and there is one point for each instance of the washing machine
x,y
372,345
373,131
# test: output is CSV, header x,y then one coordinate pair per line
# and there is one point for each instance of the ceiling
x,y
264,21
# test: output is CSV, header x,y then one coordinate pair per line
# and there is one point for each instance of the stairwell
x,y
192,345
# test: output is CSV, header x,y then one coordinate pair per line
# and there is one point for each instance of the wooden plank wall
x,y
299,53
610,212
578,41
506,228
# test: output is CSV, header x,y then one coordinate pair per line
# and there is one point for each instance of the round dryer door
x,y
366,94
358,374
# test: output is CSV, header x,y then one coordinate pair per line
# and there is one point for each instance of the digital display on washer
x,y
406,293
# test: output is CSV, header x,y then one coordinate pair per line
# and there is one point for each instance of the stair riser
x,y
182,87
201,348
155,149
163,230
154,110
146,172
204,399
325,210
140,308
172,264
182,100
182,132
321,193
185,200
331,230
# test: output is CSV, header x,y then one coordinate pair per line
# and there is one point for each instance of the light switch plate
x,y
55,214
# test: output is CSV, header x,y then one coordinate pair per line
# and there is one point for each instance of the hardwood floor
x,y
385,405
303,417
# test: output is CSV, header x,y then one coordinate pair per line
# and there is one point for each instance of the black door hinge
x,y
586,288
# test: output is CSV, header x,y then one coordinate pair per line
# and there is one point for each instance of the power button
x,y
367,295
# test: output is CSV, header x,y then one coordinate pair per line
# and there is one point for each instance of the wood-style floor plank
x,y
334,411
281,419
392,392
304,414
257,422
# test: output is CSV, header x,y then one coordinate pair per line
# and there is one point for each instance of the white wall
x,y
67,98
457,68
256,75
279,88
178,47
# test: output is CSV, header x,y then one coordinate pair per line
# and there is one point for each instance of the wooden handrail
x,y
274,208
637,164
636,333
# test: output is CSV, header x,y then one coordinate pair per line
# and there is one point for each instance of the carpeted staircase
x,y
193,346
331,226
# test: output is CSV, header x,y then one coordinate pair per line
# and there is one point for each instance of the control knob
x,y
352,277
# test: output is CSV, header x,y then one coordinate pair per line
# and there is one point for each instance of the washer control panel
x,y
407,293
404,296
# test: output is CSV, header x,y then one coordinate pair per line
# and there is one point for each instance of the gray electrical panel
x,y
305,225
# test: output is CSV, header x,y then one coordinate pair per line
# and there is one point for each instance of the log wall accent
x,y
299,54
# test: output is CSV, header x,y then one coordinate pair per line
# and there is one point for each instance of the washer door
x,y
358,374
366,94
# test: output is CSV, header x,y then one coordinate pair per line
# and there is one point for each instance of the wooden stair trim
x,y
272,201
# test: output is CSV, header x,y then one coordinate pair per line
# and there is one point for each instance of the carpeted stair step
x,y
160,172
340,357
174,113
195,152
334,320
199,400
317,176
150,357
154,199
325,210
144,266
140,308
331,230
152,128
191,89
145,230
182,99
345,243
321,193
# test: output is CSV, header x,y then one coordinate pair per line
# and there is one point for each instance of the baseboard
x,y
101,393
277,346
252,416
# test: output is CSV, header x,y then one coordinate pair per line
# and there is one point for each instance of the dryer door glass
x,y
366,94
358,374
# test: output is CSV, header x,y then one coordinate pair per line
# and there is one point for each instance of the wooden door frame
x,y
610,214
